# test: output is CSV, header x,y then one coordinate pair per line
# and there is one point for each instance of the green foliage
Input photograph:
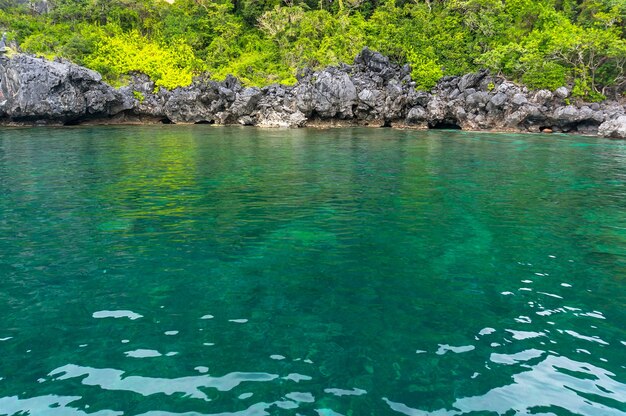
x,y
424,71
543,43
583,89
545,75
168,65
251,58
139,96
557,51
314,39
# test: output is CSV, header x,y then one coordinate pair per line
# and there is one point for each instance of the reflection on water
x,y
224,271
109,379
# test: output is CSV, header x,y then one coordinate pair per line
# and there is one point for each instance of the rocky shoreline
x,y
371,92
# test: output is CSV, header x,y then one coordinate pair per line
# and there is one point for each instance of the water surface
x,y
171,270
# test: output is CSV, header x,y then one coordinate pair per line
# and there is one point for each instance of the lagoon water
x,y
197,270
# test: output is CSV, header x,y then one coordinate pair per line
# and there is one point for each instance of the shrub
x,y
169,66
139,96
545,75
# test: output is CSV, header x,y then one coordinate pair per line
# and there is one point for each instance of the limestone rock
x,y
615,128
372,91
36,90
561,92
417,115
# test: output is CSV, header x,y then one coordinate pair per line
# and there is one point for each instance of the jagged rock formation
x,y
373,91
35,91
481,102
615,128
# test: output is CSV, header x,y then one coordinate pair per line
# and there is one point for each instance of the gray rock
x,y
499,99
246,121
506,88
369,97
327,94
55,92
477,99
3,43
281,119
436,109
459,113
417,115
516,118
373,91
245,102
471,80
586,113
561,92
454,94
372,61
519,99
566,115
615,128
420,98
598,117
542,96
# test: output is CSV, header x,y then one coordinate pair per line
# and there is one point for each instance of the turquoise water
x,y
172,270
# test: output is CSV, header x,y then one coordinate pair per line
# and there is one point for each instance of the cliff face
x,y
372,91
35,91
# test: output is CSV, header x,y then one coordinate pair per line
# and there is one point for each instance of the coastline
x,y
328,125
373,92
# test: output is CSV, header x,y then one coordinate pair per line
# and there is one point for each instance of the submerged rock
x,y
373,91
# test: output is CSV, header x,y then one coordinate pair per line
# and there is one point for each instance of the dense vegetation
x,y
543,43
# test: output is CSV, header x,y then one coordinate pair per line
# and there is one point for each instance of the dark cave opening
x,y
73,122
444,125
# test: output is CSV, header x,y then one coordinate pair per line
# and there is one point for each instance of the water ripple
x,y
111,379
554,383
117,314
448,273
51,405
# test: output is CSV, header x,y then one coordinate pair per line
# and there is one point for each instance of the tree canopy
x,y
543,43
